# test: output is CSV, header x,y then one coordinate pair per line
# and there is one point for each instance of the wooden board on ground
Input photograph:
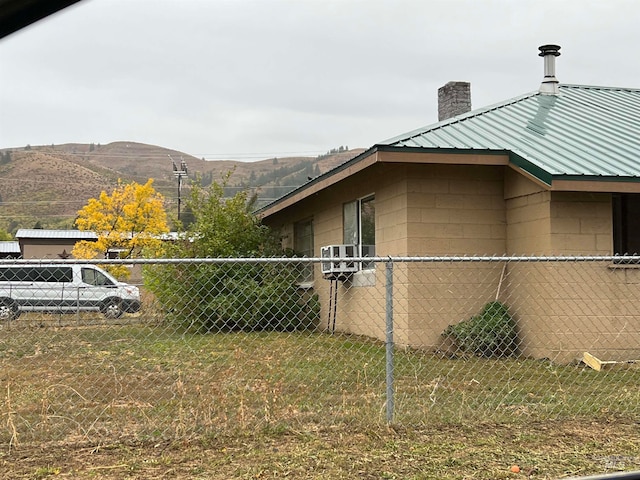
x,y
597,364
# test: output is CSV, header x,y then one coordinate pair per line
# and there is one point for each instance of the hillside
x,y
46,185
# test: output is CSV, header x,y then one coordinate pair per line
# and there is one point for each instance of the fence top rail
x,y
616,259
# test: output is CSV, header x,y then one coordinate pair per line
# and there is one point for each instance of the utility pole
x,y
179,174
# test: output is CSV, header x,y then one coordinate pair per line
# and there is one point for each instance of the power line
x,y
37,202
257,156
31,215
161,155
52,182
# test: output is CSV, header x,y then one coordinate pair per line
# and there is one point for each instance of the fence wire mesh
x,y
226,345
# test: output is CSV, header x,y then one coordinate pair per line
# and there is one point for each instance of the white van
x,y
63,288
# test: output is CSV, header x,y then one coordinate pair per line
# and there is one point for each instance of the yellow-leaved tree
x,y
128,224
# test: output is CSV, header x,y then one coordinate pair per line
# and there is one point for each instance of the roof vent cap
x,y
550,83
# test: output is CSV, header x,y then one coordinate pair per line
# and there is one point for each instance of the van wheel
x,y
8,310
111,308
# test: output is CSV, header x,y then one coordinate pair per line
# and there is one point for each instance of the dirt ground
x,y
540,451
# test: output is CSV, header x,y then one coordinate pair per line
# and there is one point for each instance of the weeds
x,y
317,399
182,385
13,431
44,472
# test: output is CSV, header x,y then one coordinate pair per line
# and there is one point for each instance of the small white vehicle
x,y
62,288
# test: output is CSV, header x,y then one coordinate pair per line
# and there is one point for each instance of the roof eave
x,y
595,184
373,155
531,168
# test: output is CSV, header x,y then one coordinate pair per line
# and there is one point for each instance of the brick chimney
x,y
454,98
549,85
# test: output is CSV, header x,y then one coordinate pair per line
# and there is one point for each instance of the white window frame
x,y
352,227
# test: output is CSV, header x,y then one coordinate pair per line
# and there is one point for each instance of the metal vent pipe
x,y
550,83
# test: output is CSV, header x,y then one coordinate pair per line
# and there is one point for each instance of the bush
x,y
232,297
235,295
491,333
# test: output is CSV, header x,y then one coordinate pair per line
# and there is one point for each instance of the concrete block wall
x,y
564,309
455,210
581,223
528,216
439,209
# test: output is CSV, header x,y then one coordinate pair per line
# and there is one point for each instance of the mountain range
x,y
45,186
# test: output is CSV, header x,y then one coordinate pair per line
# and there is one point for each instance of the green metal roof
x,y
584,132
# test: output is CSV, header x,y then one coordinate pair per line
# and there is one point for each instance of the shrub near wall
x,y
232,297
491,333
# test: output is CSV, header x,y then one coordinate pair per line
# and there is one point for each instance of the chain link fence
x,y
196,347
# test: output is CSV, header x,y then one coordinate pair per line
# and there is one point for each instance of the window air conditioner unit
x,y
337,266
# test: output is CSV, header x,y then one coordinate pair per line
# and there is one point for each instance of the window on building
x,y
626,224
303,246
359,227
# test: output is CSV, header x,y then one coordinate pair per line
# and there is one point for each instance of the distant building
x,y
10,249
51,244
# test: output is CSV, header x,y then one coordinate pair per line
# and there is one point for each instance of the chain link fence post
x,y
389,339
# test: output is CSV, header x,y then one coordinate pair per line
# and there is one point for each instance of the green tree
x,y
13,225
186,217
234,294
225,226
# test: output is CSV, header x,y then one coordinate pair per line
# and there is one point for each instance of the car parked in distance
x,y
64,288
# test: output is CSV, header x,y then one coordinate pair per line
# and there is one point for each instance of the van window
x,y
95,277
36,274
10,274
50,274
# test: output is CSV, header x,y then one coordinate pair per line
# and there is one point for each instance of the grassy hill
x,y
44,186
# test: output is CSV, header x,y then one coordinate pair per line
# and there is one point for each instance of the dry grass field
x,y
130,401
549,450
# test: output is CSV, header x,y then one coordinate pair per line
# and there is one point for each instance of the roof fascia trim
x,y
332,176
532,169
462,151
572,183
440,156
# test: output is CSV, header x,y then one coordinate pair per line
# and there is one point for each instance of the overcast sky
x,y
254,79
